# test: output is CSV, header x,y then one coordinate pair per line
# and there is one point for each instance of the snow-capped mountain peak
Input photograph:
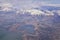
x,y
6,7
35,12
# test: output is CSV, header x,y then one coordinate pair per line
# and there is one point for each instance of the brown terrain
x,y
32,27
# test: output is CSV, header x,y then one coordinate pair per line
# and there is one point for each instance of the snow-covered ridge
x,y
9,7
36,12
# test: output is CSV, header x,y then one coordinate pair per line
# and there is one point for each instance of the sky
x,y
26,1
31,3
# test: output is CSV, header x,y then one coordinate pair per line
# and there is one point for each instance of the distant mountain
x,y
35,24
50,8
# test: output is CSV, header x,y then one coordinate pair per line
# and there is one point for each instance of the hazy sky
x,y
30,3
17,1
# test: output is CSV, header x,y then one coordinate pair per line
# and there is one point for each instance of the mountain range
x,y
41,23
